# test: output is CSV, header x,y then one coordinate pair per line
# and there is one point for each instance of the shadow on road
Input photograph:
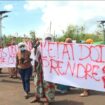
x,y
69,92
10,81
66,102
78,91
3,75
97,93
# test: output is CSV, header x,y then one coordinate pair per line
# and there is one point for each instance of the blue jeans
x,y
25,76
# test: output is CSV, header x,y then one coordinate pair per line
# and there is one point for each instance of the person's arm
x,y
17,62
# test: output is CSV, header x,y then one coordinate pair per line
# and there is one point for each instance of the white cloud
x,y
63,13
8,7
33,5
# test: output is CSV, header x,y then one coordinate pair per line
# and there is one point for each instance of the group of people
x,y
43,89
65,89
12,71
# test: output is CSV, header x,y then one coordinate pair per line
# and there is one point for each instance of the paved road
x,y
11,93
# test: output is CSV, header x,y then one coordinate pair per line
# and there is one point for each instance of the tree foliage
x,y
78,33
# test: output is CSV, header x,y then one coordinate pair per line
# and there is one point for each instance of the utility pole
x,y
51,29
50,26
103,26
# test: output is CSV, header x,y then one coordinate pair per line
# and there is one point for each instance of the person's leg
x,y
22,74
85,93
63,88
49,92
10,72
0,70
36,99
28,74
23,77
14,72
39,92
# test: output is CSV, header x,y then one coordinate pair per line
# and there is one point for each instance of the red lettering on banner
x,y
2,60
68,51
84,67
65,52
29,45
103,77
81,49
88,71
3,56
103,69
50,49
1,51
53,66
43,47
101,47
12,54
95,67
97,54
59,66
45,61
58,50
79,67
89,49
70,68
99,50
72,50
12,51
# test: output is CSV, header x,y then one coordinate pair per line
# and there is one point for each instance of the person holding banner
x,y
42,87
86,92
0,70
64,89
12,70
23,65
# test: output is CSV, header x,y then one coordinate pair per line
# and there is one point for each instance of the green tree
x,y
78,33
32,35
73,32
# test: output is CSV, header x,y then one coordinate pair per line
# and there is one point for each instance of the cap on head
x,y
21,44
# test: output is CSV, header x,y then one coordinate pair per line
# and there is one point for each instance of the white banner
x,y
8,56
79,65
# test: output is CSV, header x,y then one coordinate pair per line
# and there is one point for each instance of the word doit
x,y
79,65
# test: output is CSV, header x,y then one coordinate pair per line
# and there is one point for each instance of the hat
x,y
21,44
89,41
48,37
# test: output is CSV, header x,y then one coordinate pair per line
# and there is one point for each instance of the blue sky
x,y
29,15
19,20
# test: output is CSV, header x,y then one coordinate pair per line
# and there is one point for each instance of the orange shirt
x,y
23,64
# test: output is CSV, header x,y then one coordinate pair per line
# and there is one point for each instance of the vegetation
x,y
74,32
78,33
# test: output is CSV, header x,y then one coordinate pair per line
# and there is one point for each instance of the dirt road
x,y
11,93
